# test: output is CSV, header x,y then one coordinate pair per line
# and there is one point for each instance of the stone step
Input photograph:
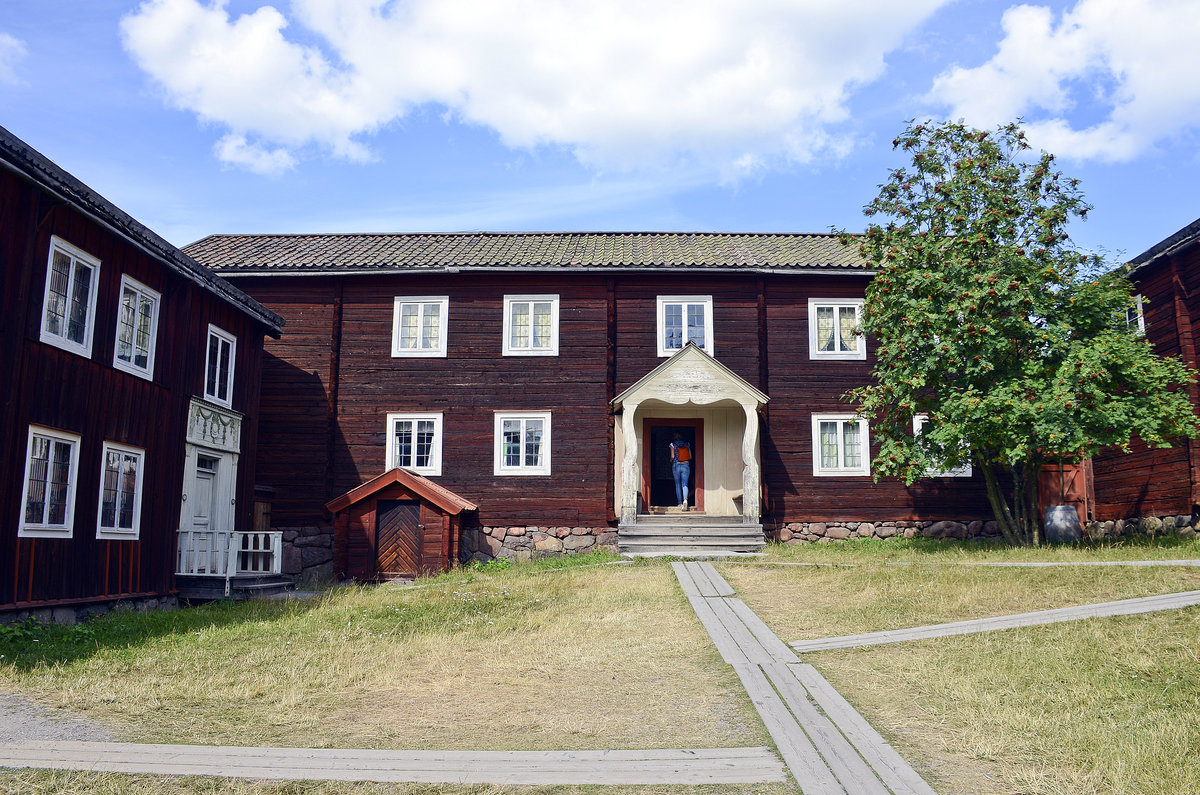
x,y
715,531
691,517
694,541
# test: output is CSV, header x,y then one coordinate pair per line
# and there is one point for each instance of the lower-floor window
x,y
51,468
120,492
840,445
522,443
414,442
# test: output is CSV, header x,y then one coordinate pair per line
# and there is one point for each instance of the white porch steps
x,y
689,535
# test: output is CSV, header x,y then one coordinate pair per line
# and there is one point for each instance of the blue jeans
x,y
682,471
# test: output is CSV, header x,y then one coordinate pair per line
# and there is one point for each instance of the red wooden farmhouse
x,y
129,383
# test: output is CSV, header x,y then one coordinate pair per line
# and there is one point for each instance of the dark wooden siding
x,y
44,385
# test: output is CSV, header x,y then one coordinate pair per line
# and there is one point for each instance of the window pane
x,y
56,300
424,453
108,501
696,324
519,333
129,467
80,290
673,326
849,322
541,325
431,329
125,324
404,443
851,438
511,449
408,325
533,443
210,381
60,476
825,328
142,343
829,445
39,475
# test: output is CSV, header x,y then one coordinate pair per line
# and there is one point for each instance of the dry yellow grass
x,y
607,657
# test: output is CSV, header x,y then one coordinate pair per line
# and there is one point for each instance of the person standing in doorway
x,y
681,468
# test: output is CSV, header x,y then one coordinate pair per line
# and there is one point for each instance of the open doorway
x,y
658,486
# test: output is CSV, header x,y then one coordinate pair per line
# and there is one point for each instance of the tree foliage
x,y
991,322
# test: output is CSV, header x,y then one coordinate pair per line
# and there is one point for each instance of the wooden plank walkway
x,y
532,768
829,748
1122,607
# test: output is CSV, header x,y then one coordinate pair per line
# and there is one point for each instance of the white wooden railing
x,y
218,553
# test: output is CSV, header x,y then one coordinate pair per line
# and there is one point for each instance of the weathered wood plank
x,y
731,652
714,577
769,641
749,645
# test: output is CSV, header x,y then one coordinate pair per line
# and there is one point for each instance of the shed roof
x,y
24,160
234,255
424,488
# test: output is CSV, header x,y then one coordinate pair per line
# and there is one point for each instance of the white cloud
x,y
1131,63
12,50
236,150
622,83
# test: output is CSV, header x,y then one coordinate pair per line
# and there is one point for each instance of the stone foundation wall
x,y
1147,525
71,614
308,553
840,530
528,543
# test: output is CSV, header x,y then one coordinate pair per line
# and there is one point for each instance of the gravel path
x,y
23,719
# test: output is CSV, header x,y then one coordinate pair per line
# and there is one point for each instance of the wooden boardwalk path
x,y
828,746
1122,607
531,768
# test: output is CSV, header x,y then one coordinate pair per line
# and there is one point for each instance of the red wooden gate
x,y
398,537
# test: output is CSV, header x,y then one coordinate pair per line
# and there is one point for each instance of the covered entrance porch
x,y
716,411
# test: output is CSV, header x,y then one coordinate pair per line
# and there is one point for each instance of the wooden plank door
x,y
398,537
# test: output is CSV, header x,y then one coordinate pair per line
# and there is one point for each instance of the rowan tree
x,y
991,322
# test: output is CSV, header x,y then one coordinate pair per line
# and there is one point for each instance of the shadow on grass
x,y
866,549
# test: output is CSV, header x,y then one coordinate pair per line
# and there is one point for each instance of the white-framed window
x,y
218,366
137,328
963,471
531,325
840,445
1135,318
683,319
419,325
48,497
120,514
833,329
522,443
69,305
414,441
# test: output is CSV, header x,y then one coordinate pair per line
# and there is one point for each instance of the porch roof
x,y
691,376
424,488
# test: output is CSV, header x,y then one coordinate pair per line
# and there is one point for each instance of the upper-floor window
x,y
120,492
833,329
522,443
414,441
48,499
419,325
218,367
1135,318
531,325
683,319
69,305
137,328
962,471
840,445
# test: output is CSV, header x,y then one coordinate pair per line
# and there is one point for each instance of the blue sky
x,y
452,115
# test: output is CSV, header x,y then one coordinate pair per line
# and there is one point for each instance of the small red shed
x,y
396,524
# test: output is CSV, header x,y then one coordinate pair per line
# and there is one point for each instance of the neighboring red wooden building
x,y
128,395
397,524
1146,481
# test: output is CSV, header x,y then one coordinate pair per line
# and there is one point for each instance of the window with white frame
x,y
531,325
414,441
120,514
840,445
833,329
419,325
523,443
48,498
963,471
218,367
137,328
683,319
1135,318
69,305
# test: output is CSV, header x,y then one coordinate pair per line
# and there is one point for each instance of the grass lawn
x,y
1098,706
529,658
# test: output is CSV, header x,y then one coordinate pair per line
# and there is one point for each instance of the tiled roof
x,y
31,164
386,253
1188,236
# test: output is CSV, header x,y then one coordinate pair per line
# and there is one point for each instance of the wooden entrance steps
x,y
242,586
689,535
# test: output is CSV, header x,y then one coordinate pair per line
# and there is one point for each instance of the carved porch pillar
x,y
751,478
630,471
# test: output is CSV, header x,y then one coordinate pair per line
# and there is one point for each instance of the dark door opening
x,y
659,477
398,537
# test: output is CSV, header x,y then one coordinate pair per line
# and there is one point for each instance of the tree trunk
x,y
1004,518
